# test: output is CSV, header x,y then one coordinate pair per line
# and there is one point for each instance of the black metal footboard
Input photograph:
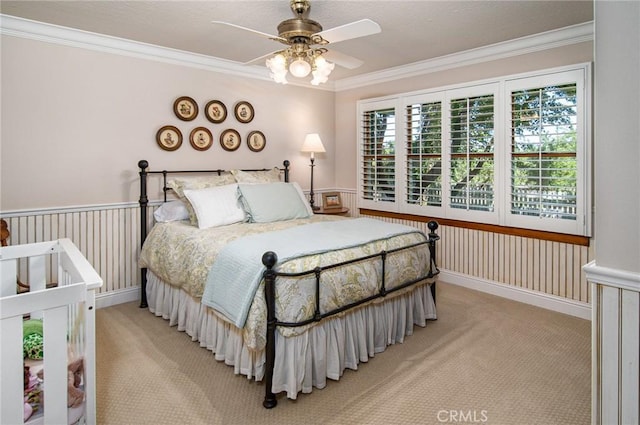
x,y
269,259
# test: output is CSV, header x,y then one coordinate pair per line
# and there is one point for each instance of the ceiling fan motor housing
x,y
298,30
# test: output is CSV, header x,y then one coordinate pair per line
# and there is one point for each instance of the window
x,y
512,152
378,155
471,170
424,154
546,145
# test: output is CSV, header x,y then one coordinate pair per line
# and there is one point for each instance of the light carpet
x,y
485,360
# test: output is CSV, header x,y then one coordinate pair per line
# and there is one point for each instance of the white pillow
x,y
269,202
216,206
303,197
171,211
197,182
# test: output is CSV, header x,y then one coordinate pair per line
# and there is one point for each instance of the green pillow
x,y
269,202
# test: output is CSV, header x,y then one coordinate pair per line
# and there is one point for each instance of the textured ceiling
x,y
412,31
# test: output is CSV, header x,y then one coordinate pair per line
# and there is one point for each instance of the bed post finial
x,y
269,259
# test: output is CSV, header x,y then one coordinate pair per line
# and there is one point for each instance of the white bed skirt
x,y
304,361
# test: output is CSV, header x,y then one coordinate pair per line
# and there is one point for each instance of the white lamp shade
x,y
312,143
299,68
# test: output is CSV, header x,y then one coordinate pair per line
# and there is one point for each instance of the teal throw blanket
x,y
237,271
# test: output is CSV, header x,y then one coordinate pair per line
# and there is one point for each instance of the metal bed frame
x,y
270,259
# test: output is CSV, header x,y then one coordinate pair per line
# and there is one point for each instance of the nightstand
x,y
332,211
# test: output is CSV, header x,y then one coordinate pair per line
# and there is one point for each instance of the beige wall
x,y
75,122
346,130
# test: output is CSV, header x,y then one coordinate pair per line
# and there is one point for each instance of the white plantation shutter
x,y
513,151
543,152
472,162
548,152
423,154
378,155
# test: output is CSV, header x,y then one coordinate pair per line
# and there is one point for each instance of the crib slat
x,y
37,272
90,353
37,278
11,371
8,273
55,328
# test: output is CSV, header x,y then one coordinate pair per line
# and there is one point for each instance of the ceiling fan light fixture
x,y
300,68
305,40
321,71
278,67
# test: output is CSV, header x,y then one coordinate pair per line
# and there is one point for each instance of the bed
x,y
238,261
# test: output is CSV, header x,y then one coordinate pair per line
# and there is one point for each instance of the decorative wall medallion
x,y
256,141
230,140
185,108
169,138
215,111
243,112
201,138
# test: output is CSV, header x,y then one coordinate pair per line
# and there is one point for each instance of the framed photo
x,y
230,140
185,108
201,138
331,200
215,111
243,112
256,141
169,138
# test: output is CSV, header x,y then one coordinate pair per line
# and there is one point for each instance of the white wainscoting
x,y
543,273
615,345
109,237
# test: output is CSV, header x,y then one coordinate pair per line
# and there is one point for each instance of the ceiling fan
x,y
305,40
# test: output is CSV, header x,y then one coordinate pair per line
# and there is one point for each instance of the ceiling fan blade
x,y
341,59
263,34
261,58
352,30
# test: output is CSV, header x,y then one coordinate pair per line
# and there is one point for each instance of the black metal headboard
x,y
144,202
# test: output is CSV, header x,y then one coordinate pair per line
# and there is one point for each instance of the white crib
x,y
68,314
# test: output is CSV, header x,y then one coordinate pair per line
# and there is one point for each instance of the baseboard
x,y
121,296
538,299
549,302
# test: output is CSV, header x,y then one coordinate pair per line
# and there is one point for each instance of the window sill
x,y
514,231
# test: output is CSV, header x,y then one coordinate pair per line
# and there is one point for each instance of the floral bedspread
x,y
181,255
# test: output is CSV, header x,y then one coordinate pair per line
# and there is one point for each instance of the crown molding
x,y
55,34
543,41
49,33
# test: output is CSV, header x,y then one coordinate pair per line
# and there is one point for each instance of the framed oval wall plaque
x,y
185,108
243,112
201,138
215,111
169,138
256,141
230,140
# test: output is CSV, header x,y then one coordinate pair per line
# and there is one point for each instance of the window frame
x,y
501,89
380,104
578,76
